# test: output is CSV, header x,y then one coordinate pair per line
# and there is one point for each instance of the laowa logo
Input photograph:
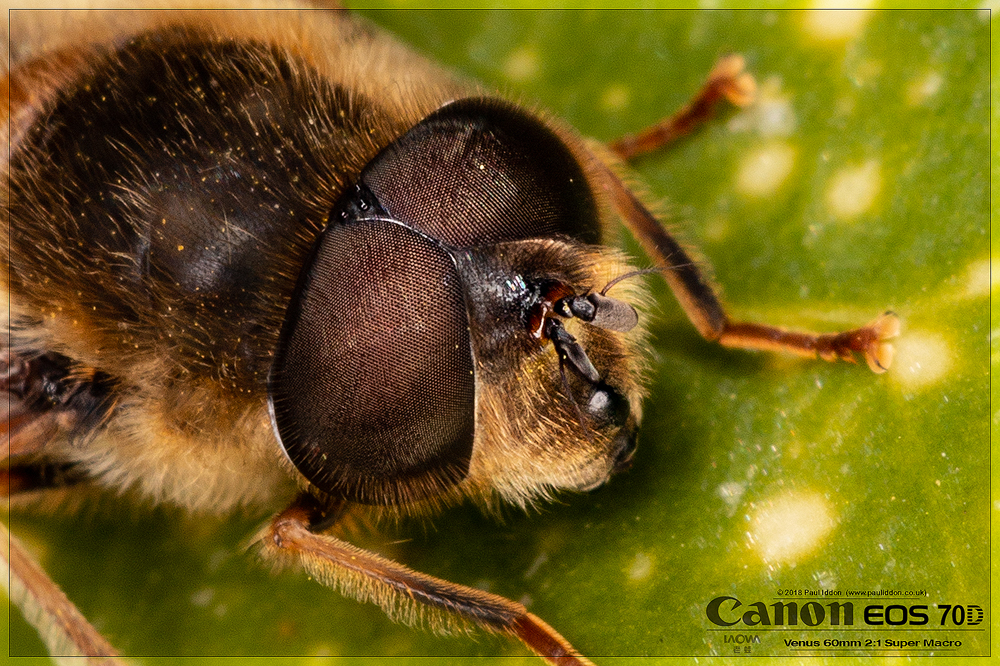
x,y
811,613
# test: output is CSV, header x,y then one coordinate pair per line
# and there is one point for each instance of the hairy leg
x,y
404,594
726,83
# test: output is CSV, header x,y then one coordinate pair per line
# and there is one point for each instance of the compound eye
x,y
372,389
479,171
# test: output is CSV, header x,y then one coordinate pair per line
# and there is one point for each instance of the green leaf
x,y
858,183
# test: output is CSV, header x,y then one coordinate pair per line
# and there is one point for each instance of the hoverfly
x,y
264,259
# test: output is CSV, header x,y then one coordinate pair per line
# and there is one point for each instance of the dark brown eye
x,y
372,390
480,171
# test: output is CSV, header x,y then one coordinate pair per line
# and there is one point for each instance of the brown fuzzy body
x,y
189,359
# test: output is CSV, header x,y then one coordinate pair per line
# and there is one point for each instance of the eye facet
x,y
479,171
372,391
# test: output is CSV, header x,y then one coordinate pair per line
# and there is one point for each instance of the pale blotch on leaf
x,y
770,115
522,63
203,597
763,171
641,567
976,283
536,565
866,72
731,493
717,228
787,528
924,87
835,25
922,359
827,580
853,190
615,98
845,105
321,653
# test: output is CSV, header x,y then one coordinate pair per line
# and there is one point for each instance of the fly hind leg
x,y
63,628
42,395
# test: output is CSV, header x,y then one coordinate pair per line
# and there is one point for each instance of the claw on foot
x,y
869,341
736,85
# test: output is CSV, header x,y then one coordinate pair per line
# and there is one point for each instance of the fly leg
x,y
404,594
726,82
41,396
63,628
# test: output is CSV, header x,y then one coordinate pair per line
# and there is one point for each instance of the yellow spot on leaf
x,y
731,493
977,278
791,526
835,25
762,172
641,567
923,87
717,228
522,63
922,359
853,190
615,98
771,114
